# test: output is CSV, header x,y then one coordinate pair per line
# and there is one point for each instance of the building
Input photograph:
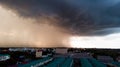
x,y
105,59
61,50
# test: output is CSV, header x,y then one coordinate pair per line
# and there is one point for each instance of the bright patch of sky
x,y
109,41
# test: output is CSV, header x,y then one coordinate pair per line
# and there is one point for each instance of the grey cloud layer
x,y
81,17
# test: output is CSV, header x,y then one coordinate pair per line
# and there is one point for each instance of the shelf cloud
x,y
66,17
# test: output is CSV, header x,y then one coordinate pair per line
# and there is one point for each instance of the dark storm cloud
x,y
82,17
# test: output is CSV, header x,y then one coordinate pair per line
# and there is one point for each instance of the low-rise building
x,y
61,50
105,59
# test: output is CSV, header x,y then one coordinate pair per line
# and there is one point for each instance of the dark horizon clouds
x,y
80,17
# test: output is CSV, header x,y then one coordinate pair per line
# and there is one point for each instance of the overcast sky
x,y
54,23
